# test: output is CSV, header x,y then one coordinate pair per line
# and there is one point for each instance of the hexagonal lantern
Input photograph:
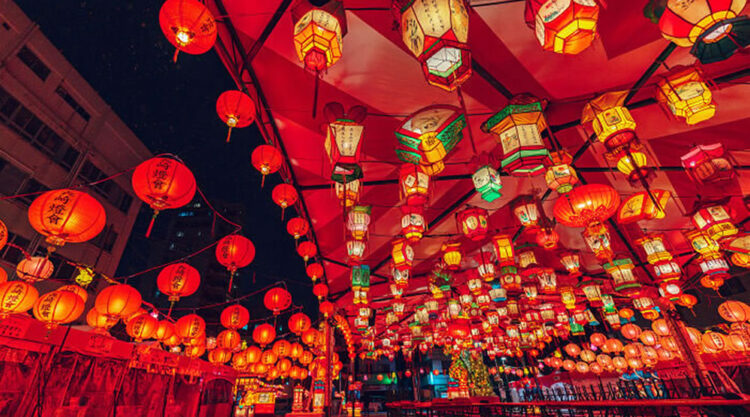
x,y
427,136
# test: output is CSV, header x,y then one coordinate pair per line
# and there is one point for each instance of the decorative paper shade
x,y
235,317
58,307
427,136
318,33
16,297
163,183
685,93
436,32
235,251
640,206
715,220
518,128
67,216
708,163
358,220
586,204
413,224
561,176
188,25
563,26
473,223
178,280
610,119
487,183
35,268
344,133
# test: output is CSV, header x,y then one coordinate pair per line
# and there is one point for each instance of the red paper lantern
x,y
264,334
228,339
190,327
326,308
67,216
3,234
414,185
565,27
310,337
164,330
178,280
142,327
586,204
307,250
218,356
188,25
473,223
284,195
320,290
119,301
58,307
34,269
734,311
297,227
77,289
163,183
277,299
413,224
99,322
266,159
298,323
234,252
236,109
630,331
314,271
235,317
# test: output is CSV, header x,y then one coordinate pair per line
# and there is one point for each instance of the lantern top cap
x,y
618,263
519,104
601,103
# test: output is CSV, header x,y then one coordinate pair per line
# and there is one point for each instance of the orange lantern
x,y
34,269
284,195
713,341
281,348
660,327
78,290
734,311
266,159
195,351
67,216
586,205
219,355
58,307
142,327
3,234
252,354
188,25
565,27
178,280
228,339
310,337
234,252
277,299
648,338
236,109
314,271
630,331
163,183
164,331
119,300
235,317
572,350
612,346
298,323
264,334
598,339
307,250
685,93
569,365
297,227
268,358
126,319
99,322
190,326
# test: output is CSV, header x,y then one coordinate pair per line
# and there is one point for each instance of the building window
x,y
34,63
64,270
63,93
106,239
32,129
12,254
180,234
185,214
11,178
114,194
30,190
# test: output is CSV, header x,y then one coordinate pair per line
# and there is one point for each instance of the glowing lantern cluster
x,y
487,182
436,32
473,223
67,216
188,25
360,276
427,136
518,128
163,183
563,26
708,164
713,29
235,109
266,159
685,93
318,33
178,280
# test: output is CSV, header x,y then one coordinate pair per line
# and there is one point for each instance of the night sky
x,y
120,50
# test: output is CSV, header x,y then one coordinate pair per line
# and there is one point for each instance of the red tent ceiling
x,y
378,72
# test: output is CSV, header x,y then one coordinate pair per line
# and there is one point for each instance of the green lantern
x,y
487,183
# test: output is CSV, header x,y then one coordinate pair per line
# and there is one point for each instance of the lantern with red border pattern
x,y
709,164
714,218
473,223
563,26
413,224
485,265
318,33
344,132
414,184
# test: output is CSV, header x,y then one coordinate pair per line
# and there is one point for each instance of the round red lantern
x,y
598,339
234,252
164,330
734,311
660,327
142,327
99,322
236,109
297,227
310,337
320,291
277,299
648,338
195,351
264,334
163,183
178,280
281,348
307,250
252,354
612,346
126,319
586,205
314,271
188,25
119,301
630,331
235,317
35,268
326,308
190,326
67,216
713,341
58,307
284,195
77,289
228,339
572,350
266,159
298,323
569,365
268,358
219,355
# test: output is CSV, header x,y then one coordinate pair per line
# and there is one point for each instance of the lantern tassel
x,y
263,180
176,52
229,134
151,224
315,95
169,313
231,281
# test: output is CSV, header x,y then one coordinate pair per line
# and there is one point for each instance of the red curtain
x,y
18,371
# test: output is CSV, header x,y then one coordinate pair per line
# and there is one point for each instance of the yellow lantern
x,y
503,246
653,245
561,177
348,192
714,219
684,92
318,33
610,119
452,254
